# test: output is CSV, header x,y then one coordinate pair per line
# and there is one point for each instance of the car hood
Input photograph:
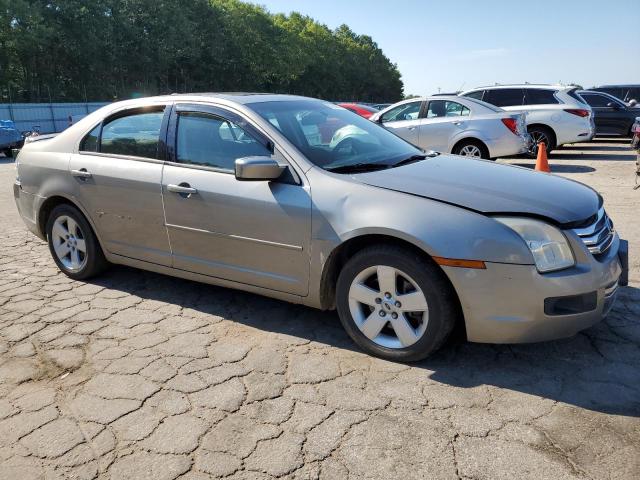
x,y
489,187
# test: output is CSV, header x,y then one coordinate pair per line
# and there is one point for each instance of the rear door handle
x,y
182,188
457,123
411,129
82,173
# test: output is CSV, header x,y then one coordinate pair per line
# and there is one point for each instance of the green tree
x,y
76,50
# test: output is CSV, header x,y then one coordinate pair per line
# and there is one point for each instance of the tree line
x,y
97,50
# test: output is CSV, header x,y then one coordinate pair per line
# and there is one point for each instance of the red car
x,y
362,110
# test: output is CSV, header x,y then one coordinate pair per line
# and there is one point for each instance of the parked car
x,y
611,116
555,114
627,93
363,110
462,126
10,137
404,244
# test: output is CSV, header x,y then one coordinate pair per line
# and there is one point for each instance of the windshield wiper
x,y
358,168
415,158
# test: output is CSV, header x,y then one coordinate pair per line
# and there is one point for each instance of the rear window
x,y
633,94
504,97
539,96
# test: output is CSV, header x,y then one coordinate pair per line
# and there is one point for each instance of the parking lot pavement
x,y
138,375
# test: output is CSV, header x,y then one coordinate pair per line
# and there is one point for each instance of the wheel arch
x,y
47,206
471,139
546,127
347,249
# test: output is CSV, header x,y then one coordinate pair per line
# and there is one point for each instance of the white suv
x,y
555,113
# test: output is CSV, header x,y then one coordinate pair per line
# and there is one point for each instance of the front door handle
x,y
457,123
411,129
82,173
182,188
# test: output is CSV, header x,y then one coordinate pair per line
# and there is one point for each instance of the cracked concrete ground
x,y
140,376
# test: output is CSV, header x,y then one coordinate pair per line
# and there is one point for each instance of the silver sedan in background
x,y
457,125
302,200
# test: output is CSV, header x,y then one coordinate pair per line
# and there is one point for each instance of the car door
x,y
252,232
443,119
117,176
404,120
610,116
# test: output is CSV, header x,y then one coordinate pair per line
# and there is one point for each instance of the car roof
x,y
544,86
621,85
238,97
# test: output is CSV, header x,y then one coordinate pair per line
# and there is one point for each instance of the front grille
x,y
598,236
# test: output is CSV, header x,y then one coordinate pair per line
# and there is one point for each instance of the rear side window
x,y
504,97
212,141
91,141
445,108
539,96
134,135
477,95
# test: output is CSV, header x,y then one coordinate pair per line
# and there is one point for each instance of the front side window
x,y
406,111
596,100
446,108
539,96
134,135
211,141
333,138
504,97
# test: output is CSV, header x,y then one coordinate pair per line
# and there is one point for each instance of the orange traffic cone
x,y
542,165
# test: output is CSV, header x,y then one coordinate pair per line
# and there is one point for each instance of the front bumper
x,y
506,303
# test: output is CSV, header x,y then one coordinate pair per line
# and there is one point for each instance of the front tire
x,y
72,243
8,152
395,304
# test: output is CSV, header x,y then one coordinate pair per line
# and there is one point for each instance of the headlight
x,y
548,245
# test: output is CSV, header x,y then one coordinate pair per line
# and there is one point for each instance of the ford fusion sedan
x,y
462,126
304,201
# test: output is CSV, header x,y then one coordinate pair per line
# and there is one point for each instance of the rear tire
x,y
541,134
471,148
395,304
72,243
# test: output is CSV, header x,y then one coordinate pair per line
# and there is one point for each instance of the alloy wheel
x,y
388,306
537,138
471,151
69,243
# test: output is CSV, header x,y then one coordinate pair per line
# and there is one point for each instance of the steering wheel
x,y
349,142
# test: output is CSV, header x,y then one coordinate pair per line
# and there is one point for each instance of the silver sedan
x,y
458,125
304,201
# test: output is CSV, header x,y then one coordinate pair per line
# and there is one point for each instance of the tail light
x,y
581,112
511,124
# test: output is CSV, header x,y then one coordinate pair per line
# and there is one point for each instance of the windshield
x,y
332,137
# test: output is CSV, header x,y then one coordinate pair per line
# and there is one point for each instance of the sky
x,y
441,45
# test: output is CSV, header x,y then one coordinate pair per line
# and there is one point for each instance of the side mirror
x,y
257,168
